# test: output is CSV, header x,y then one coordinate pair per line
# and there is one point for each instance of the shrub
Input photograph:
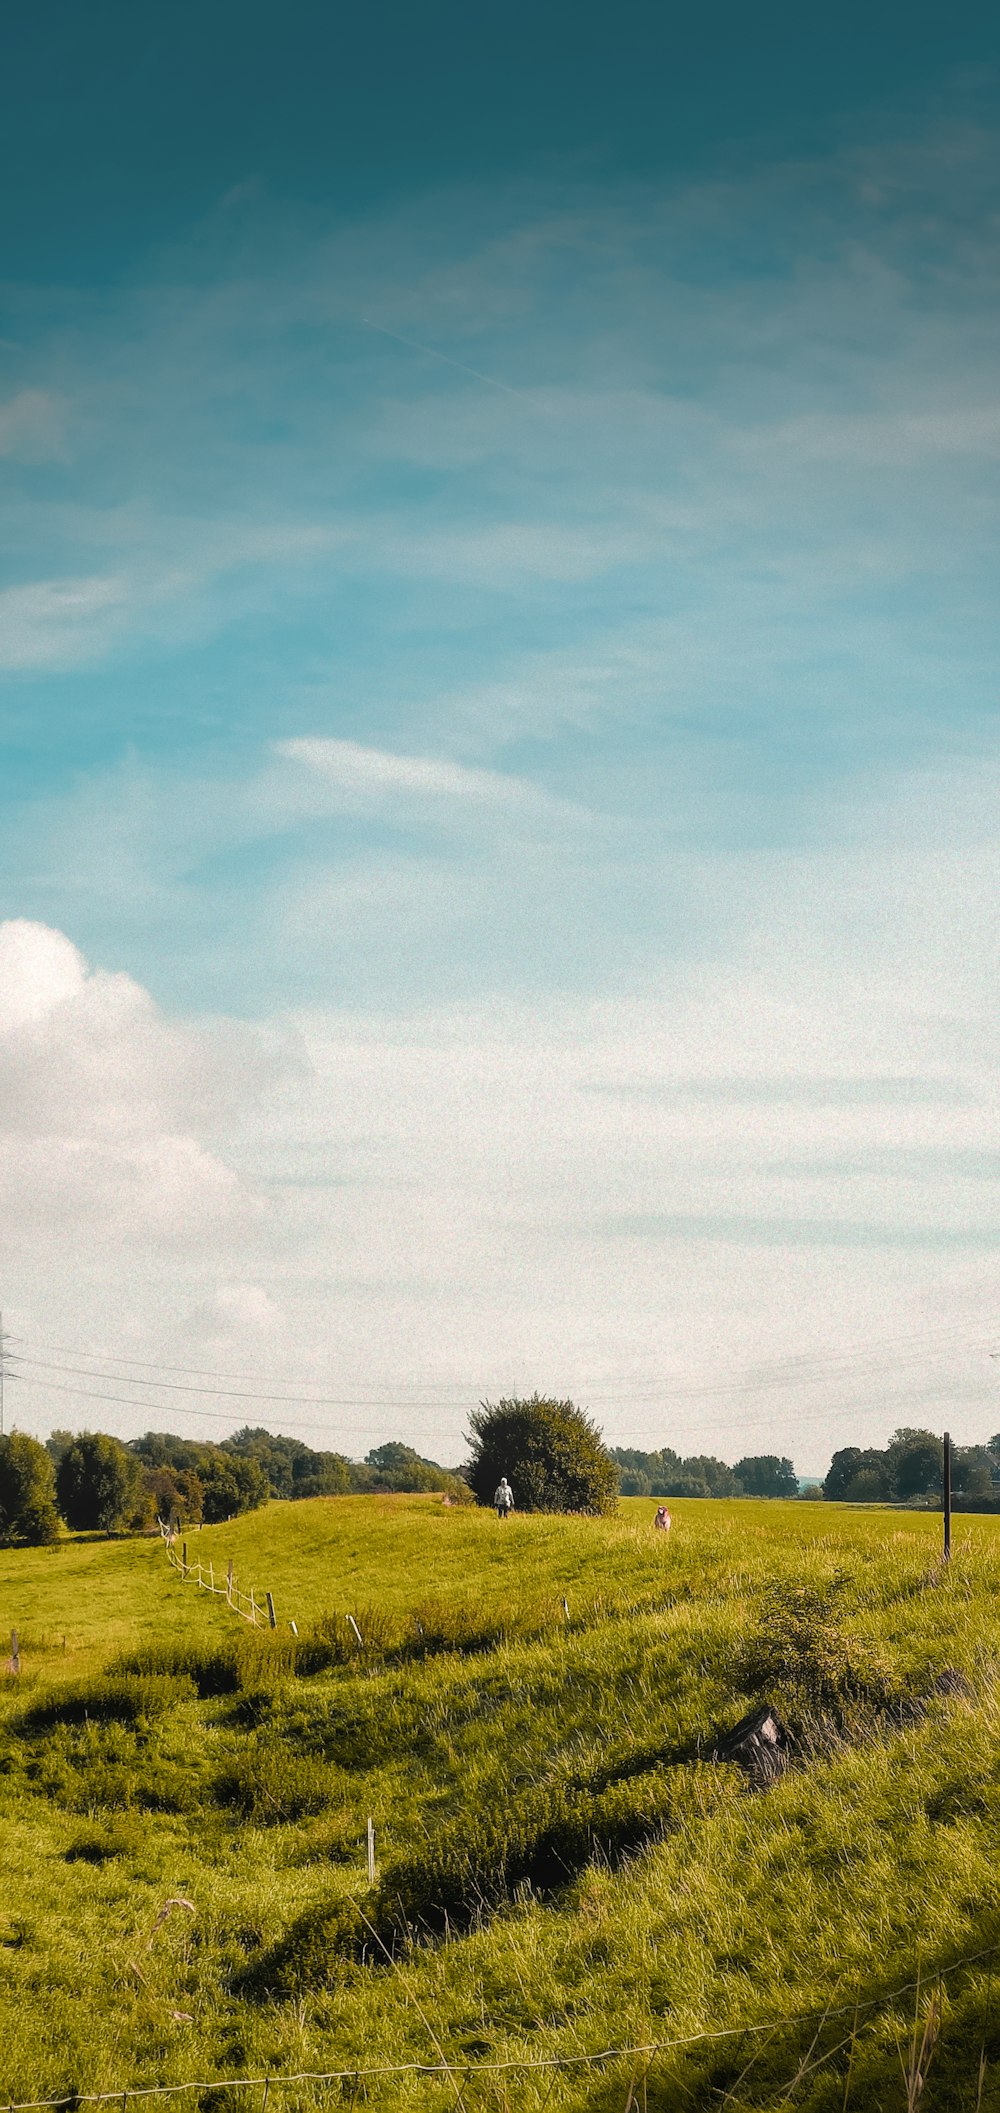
x,y
802,1656
271,1785
137,1700
213,1669
550,1451
101,1488
28,1516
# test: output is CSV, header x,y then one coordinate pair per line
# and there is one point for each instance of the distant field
x,y
560,1870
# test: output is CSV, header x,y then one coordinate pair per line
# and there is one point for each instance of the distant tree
x,y
914,1461
233,1484
718,1479
842,1468
292,1469
397,1467
646,1474
178,1494
550,1451
765,1475
870,1485
57,1443
100,1486
321,1475
28,1517
972,1474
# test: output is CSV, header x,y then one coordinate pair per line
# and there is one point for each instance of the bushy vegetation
x,y
909,1470
28,1517
561,1868
549,1450
100,1486
666,1474
105,1486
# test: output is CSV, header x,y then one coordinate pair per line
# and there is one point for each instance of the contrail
x,y
476,372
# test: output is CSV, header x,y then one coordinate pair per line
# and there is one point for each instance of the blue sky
x,y
499,643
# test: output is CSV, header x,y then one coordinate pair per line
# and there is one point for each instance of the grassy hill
x,y
560,1867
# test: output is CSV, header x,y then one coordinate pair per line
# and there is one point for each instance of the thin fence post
x,y
371,1851
946,1493
15,1652
253,1609
271,1615
211,1577
229,1582
357,1631
184,1556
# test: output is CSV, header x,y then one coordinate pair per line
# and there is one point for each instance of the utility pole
x,y
946,1493
4,1340
6,1368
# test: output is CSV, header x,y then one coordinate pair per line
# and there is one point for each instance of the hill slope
x,y
560,1868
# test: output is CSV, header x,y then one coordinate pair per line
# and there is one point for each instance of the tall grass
x,y
560,1868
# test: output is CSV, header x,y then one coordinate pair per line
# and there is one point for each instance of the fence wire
x,y
860,2011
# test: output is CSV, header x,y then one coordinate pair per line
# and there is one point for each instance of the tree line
x,y
665,1474
93,1483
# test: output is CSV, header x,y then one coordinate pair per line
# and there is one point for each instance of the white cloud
x,y
107,1109
60,622
352,772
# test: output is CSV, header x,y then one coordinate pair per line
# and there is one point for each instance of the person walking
x,y
504,1498
662,1519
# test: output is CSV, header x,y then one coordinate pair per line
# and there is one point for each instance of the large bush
x,y
27,1493
550,1452
100,1486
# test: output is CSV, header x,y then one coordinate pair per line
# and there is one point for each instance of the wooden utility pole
x,y
946,1493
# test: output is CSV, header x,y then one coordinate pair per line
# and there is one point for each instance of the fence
x,y
914,2054
259,1613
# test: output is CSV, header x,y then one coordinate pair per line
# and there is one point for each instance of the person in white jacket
x,y
503,1498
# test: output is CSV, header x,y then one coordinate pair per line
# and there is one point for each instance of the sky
x,y
500,751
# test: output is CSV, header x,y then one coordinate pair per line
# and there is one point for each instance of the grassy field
x,y
561,1868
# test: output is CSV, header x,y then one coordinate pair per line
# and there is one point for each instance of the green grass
x,y
561,1867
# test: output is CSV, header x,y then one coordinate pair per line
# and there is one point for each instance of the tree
x,y
100,1486
28,1517
914,1460
550,1452
765,1475
231,1482
397,1467
972,1474
869,1486
232,1485
178,1494
843,1466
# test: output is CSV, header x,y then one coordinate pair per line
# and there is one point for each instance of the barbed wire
x,y
69,2101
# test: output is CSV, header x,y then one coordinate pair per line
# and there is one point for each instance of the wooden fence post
x,y
371,1851
184,1556
271,1615
15,1652
229,1582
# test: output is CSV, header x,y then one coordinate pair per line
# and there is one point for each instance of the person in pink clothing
x,y
662,1519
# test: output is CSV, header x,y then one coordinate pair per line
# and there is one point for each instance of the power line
x,y
805,1370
